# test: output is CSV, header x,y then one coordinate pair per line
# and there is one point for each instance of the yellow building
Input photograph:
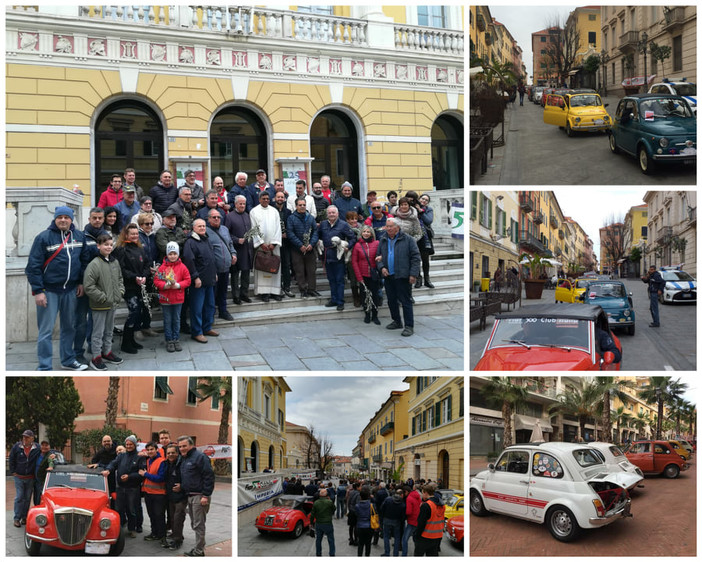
x,y
481,40
367,94
261,431
553,228
298,446
434,448
384,430
635,236
585,22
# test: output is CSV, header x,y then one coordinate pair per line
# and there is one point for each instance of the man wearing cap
x,y
129,206
169,232
253,190
126,468
267,284
22,462
55,268
346,202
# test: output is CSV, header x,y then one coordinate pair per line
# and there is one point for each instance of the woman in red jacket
x,y
171,281
363,262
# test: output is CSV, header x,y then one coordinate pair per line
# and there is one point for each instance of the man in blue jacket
x,y
22,462
126,468
197,482
334,261
399,265
55,268
655,287
302,234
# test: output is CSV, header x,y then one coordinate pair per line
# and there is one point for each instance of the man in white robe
x,y
267,218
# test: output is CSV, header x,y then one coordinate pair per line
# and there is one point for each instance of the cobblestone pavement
x,y
664,523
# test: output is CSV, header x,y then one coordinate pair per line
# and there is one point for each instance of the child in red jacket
x,y
171,281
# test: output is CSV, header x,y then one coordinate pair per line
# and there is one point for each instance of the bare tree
x,y
612,240
562,46
311,448
326,455
318,450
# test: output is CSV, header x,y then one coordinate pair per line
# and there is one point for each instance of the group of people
x,y
182,249
401,510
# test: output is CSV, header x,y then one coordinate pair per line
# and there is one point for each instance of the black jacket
x,y
127,463
407,258
162,197
199,258
197,476
172,478
134,263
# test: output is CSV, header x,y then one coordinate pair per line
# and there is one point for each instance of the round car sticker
x,y
554,475
536,457
542,469
547,473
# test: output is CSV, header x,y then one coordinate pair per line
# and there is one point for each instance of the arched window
x,y
254,457
447,153
334,147
271,456
238,143
128,134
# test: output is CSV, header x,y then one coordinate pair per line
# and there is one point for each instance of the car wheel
x,y
562,523
671,471
477,507
297,531
117,548
569,131
31,546
645,163
631,330
613,144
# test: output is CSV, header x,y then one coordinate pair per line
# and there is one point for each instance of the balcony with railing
x,y
526,202
673,18
387,428
628,41
665,235
371,439
538,217
530,243
377,458
561,234
553,221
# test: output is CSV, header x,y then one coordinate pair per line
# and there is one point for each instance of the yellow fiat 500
x,y
577,112
568,290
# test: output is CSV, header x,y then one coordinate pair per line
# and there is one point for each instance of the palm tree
x,y
218,388
640,422
661,391
611,388
690,413
580,402
504,394
111,401
620,416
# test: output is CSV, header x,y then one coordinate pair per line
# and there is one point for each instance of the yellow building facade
x,y
481,40
434,448
369,95
384,430
262,440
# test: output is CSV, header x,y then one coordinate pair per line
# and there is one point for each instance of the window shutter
x,y
473,204
481,210
448,416
489,210
437,414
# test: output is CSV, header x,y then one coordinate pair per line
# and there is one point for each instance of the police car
x,y
681,87
680,286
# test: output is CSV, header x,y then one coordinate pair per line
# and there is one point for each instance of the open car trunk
x,y
613,488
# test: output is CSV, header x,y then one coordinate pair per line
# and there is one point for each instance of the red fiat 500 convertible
x,y
288,514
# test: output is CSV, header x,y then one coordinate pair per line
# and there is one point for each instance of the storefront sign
x,y
484,420
456,214
293,171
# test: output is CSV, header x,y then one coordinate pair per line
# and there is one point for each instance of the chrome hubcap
x,y
475,503
561,523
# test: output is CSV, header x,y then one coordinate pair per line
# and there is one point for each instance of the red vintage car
x,y
656,457
74,514
288,514
555,337
454,530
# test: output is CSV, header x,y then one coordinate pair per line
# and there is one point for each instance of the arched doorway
x,y
238,143
334,147
417,467
271,457
254,456
241,464
443,471
128,134
447,153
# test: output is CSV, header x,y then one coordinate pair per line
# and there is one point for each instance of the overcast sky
x,y
338,406
522,21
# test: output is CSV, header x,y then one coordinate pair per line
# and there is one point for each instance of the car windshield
x,y
584,100
286,502
80,480
601,290
676,276
685,89
616,451
453,501
587,457
550,332
664,108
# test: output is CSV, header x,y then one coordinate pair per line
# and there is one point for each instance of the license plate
x,y
269,520
97,548
686,296
688,161
622,319
598,121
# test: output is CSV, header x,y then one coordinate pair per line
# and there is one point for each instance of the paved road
x,y
672,347
218,535
537,154
663,524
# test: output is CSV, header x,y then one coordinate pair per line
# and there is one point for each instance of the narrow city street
x,y
536,154
664,523
672,347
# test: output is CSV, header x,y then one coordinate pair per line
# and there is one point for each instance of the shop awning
x,y
527,422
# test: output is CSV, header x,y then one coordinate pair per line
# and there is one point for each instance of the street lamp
x,y
644,47
603,61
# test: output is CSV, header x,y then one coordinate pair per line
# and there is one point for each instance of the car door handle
x,y
523,481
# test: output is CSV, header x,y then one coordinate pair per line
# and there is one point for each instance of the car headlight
x,y
663,142
606,118
41,520
577,119
105,523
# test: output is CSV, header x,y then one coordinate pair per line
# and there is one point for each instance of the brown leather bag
x,y
265,260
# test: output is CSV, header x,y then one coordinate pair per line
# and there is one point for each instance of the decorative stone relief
x,y
186,55
96,47
265,61
401,72
335,65
459,77
357,68
379,70
214,57
63,44
422,73
313,65
158,53
441,75
240,59
28,41
129,50
290,63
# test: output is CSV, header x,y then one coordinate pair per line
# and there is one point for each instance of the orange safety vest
x,y
149,486
434,529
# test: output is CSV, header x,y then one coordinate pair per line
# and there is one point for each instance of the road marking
x,y
668,368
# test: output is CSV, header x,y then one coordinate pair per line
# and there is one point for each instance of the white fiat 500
x,y
567,486
616,461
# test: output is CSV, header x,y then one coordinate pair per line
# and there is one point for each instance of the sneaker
x,y
195,552
175,545
170,347
177,346
112,358
408,331
151,537
330,304
393,326
97,364
75,366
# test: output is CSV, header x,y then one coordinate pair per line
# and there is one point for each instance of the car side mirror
x,y
491,467
608,357
606,105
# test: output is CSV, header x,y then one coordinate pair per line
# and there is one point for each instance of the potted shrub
x,y
533,285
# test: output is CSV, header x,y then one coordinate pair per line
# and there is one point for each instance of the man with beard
x,y
102,459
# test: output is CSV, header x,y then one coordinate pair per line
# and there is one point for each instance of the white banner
x,y
306,475
456,215
214,451
258,489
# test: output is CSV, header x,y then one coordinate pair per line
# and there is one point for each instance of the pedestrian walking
x,y
522,90
321,517
392,513
412,502
341,499
22,461
655,287
364,530
353,499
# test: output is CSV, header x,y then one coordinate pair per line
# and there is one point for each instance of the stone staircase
x,y
447,275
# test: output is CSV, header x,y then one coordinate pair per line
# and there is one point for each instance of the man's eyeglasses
x,y
148,224
375,208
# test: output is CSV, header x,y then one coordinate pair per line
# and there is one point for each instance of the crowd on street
x,y
189,251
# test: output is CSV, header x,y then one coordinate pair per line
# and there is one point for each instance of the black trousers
x,y
285,265
426,547
221,291
240,279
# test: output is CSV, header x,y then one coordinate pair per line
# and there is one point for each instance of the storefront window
x,y
485,440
